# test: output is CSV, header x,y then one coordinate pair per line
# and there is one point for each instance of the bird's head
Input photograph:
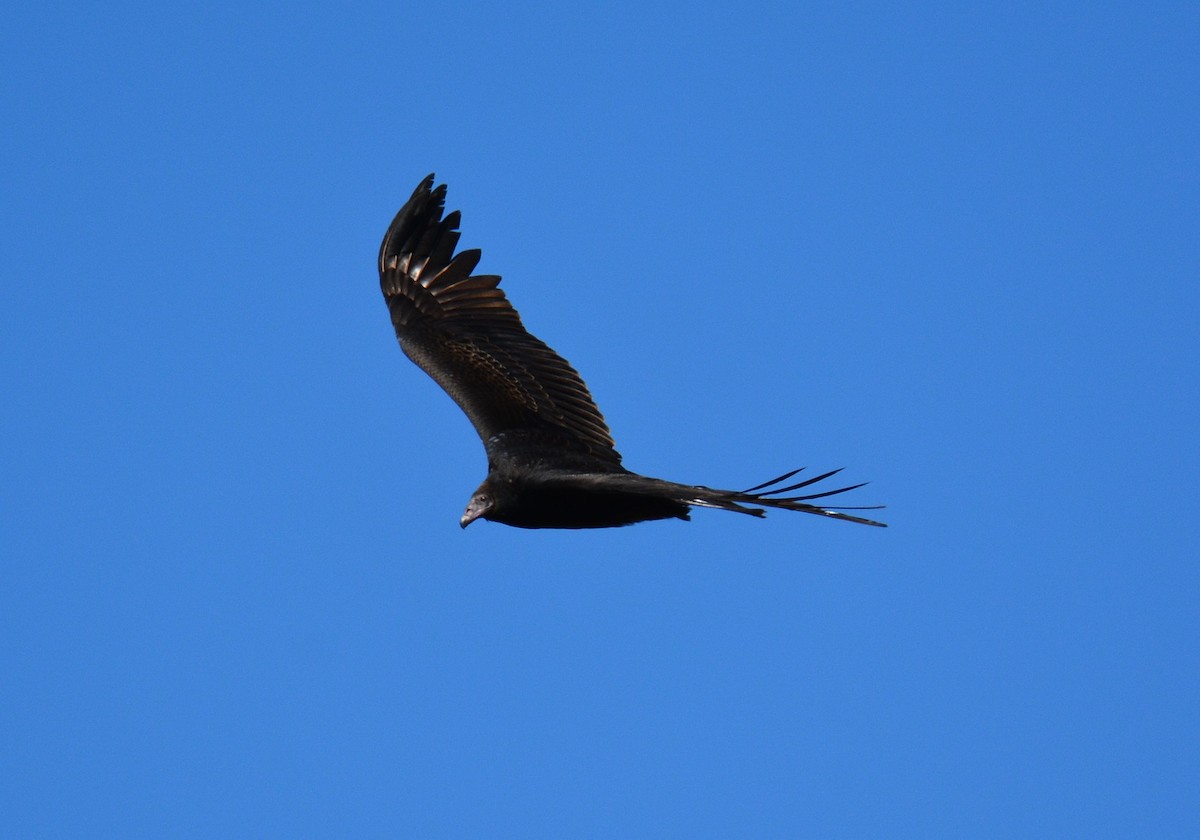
x,y
481,504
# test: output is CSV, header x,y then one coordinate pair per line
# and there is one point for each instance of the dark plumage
x,y
551,461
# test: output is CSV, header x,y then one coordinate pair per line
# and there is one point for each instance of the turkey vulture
x,y
551,460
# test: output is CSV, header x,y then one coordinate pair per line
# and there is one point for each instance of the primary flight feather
x,y
551,459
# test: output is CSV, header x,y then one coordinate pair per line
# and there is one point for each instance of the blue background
x,y
952,247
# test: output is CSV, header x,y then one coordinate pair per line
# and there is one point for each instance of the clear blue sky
x,y
953,248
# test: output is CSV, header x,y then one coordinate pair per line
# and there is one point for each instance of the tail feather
x,y
801,484
783,477
738,501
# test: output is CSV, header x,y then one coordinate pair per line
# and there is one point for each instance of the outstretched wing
x,y
768,494
461,329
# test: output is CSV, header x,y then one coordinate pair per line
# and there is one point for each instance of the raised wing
x,y
461,329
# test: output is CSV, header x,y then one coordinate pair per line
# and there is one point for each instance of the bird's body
x,y
551,458
560,499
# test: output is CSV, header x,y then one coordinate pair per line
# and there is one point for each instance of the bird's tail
x,y
768,494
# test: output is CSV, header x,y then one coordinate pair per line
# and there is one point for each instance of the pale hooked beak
x,y
473,512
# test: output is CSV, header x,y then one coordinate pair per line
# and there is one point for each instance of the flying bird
x,y
551,458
